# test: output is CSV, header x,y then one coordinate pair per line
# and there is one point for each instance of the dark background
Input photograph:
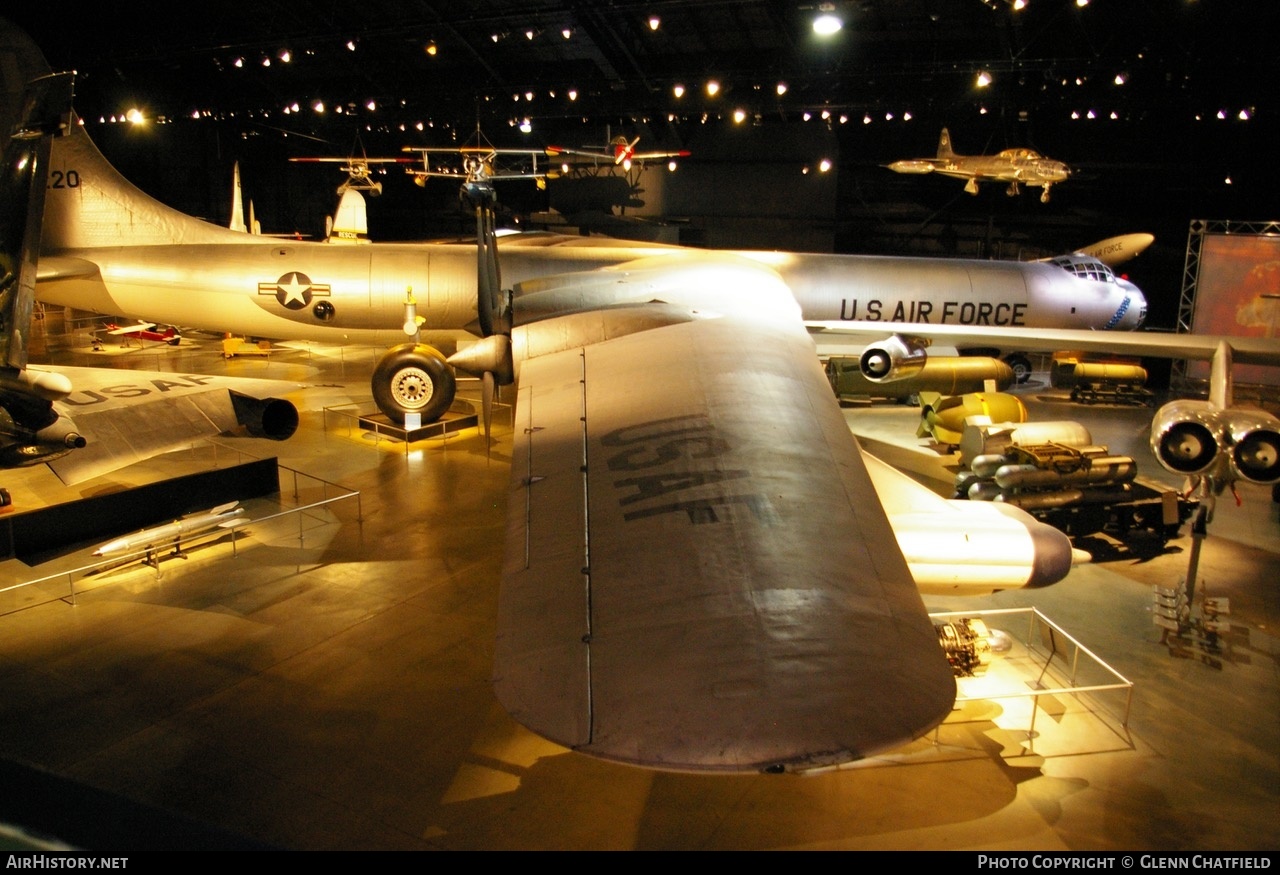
x,y
1155,156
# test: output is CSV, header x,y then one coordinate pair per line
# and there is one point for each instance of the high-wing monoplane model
x,y
145,331
1017,167
360,171
620,151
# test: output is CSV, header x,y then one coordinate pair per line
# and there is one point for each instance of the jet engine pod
x,y
273,418
1187,435
893,358
1255,444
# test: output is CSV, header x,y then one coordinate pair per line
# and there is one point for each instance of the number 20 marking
x,y
64,179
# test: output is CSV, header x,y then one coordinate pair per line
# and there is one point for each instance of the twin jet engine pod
x,y
893,358
1198,437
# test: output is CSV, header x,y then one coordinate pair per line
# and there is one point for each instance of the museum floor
x,y
324,685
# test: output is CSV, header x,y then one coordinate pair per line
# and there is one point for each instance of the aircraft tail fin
x,y
944,145
350,223
237,201
91,204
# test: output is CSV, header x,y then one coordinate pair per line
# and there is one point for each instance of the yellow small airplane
x,y
1015,166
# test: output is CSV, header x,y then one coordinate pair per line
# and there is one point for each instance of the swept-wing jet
x,y
84,422
620,151
1017,167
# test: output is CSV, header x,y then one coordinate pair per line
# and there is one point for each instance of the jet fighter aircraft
x,y
1017,167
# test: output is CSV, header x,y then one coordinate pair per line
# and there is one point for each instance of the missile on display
x,y
224,516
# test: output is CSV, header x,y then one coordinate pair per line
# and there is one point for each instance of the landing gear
x,y
1021,367
413,378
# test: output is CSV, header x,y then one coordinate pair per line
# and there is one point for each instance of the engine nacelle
x,y
1199,438
893,358
273,418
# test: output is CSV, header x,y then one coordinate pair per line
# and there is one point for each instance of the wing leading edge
x,y
699,575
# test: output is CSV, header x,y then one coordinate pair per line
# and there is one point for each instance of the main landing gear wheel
x,y
1021,367
413,378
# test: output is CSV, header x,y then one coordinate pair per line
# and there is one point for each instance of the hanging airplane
x,y
620,152
84,422
1017,167
359,171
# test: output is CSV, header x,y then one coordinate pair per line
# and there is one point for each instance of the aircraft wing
x,y
128,416
698,573
131,329
834,336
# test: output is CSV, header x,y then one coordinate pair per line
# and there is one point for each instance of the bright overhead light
x,y
984,79
431,48
678,91
739,116
654,22
566,33
782,88
824,165
713,87
827,22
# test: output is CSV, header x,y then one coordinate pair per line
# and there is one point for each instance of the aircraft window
x,y
323,311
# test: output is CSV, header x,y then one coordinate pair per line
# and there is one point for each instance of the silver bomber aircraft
x,y
1016,167
699,573
111,249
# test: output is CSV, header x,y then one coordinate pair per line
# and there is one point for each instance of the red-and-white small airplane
x,y
620,151
145,331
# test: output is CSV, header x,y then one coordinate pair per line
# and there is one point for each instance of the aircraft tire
x,y
413,378
1021,367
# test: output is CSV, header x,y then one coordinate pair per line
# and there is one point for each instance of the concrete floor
x,y
325,685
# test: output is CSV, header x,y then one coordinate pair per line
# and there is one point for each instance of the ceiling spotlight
x,y
678,91
739,116
285,56
906,116
713,87
266,62
566,33
431,48
671,165
135,116
525,126
824,165
827,22
1120,79
1082,3
654,22
782,88
238,62
573,94
1243,115
318,106
371,106
351,45
529,34
984,79
1019,5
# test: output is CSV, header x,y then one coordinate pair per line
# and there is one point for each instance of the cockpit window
x,y
1085,268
